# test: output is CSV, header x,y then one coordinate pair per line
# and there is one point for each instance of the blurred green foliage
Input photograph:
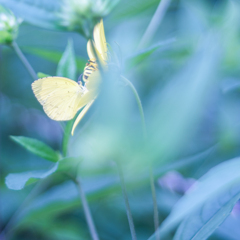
x,y
188,81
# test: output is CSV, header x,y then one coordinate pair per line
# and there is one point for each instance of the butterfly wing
x,y
92,85
88,98
59,96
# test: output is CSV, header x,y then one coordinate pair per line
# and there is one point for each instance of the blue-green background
x,y
189,86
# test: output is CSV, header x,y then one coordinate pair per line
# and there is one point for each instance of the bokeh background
x,y
187,76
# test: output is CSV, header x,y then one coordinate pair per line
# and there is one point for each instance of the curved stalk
x,y
155,22
138,102
24,61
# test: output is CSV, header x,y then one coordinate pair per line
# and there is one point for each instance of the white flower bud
x,y
82,15
8,26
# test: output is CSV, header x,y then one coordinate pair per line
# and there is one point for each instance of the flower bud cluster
x,y
8,26
82,15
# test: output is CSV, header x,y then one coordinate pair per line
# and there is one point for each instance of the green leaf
x,y
37,147
142,55
138,7
182,101
42,75
50,55
185,162
18,181
67,65
94,187
217,181
53,56
206,220
38,13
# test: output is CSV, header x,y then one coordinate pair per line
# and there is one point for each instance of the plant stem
x,y
155,207
24,61
129,214
154,24
138,102
87,212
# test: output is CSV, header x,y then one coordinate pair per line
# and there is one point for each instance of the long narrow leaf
x,y
37,147
205,221
142,55
67,65
17,181
215,183
53,55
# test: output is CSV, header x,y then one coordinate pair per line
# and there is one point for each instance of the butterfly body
x,y
91,66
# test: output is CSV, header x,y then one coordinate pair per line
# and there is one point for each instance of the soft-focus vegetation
x,y
178,160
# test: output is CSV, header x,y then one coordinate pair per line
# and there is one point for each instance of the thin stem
x,y
129,214
154,24
87,211
155,207
138,102
24,61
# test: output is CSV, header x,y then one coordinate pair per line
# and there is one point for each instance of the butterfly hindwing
x,y
59,96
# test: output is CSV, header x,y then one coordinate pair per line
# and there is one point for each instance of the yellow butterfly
x,y
61,97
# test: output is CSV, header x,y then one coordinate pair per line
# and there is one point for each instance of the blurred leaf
x,y
230,33
67,65
70,229
229,229
206,220
133,8
37,147
217,181
94,188
182,102
18,181
42,75
185,162
39,13
53,56
142,55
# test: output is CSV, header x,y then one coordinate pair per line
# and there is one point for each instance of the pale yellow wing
x,y
60,97
81,115
100,40
93,85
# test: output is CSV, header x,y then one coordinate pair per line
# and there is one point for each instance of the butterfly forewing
x,y
59,96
